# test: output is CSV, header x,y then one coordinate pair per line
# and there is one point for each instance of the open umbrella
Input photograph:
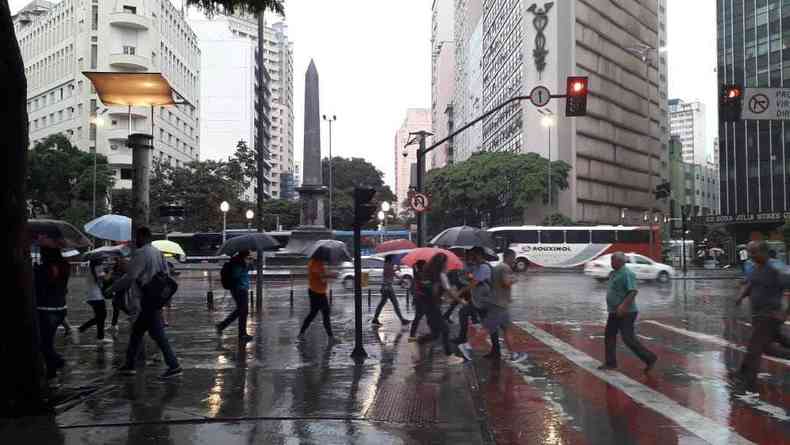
x,y
426,253
107,252
465,237
251,242
110,227
395,247
56,234
167,246
334,251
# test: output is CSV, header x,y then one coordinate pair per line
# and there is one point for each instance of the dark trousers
x,y
318,302
48,322
241,297
437,323
625,326
450,310
765,330
99,315
471,311
388,294
116,311
419,311
150,320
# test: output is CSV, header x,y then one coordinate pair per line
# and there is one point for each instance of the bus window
x,y
577,236
603,236
552,236
524,237
633,236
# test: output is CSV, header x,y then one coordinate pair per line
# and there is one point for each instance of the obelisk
x,y
312,192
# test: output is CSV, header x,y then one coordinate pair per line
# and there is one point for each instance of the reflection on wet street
x,y
276,390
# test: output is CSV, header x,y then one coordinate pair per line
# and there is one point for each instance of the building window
x,y
130,9
95,17
94,55
127,174
129,50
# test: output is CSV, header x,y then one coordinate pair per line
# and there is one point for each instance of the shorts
x,y
496,318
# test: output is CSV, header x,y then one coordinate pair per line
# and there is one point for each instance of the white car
x,y
374,266
643,267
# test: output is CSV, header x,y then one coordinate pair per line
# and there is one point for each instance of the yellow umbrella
x,y
167,246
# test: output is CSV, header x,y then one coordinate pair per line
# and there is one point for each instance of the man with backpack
x,y
235,277
477,293
146,270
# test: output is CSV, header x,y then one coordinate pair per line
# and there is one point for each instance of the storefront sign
x,y
743,218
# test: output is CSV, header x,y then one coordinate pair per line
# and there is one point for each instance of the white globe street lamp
x,y
224,207
385,206
250,215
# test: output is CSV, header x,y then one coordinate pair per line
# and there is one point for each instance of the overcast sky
x,y
373,59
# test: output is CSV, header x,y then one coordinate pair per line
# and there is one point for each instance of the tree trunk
x,y
22,376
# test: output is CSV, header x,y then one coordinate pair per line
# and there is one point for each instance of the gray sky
x,y
373,59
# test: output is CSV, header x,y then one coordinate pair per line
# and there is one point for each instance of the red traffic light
x,y
734,93
577,86
576,92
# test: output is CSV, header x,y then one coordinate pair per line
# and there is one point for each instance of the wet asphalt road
x,y
275,390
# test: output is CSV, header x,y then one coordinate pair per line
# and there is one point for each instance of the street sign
x,y
540,96
766,104
419,202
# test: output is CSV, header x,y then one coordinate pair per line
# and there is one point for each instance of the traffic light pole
x,y
420,179
359,349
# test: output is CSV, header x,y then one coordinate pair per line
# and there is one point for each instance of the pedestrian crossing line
x,y
701,426
713,339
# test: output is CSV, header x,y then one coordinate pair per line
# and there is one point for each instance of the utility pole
x,y
421,152
262,155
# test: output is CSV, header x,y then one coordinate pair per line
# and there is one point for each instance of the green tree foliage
x,y
60,181
558,219
491,187
211,7
350,173
287,210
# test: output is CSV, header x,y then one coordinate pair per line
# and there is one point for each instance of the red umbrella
x,y
426,253
395,247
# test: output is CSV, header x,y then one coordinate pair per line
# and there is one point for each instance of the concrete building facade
x,y
443,63
417,119
61,40
468,98
687,121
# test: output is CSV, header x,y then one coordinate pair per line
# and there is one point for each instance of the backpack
x,y
158,292
226,275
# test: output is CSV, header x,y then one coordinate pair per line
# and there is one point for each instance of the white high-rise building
x,y
687,121
229,45
417,119
61,40
443,52
468,100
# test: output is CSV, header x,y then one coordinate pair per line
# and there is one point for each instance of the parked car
x,y
643,267
374,266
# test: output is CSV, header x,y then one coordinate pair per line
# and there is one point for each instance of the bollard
x,y
250,296
210,300
259,301
370,293
408,291
331,296
292,298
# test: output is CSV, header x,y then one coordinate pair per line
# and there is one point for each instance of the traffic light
x,y
730,99
364,209
663,190
576,96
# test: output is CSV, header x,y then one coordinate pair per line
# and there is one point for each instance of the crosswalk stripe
x,y
695,423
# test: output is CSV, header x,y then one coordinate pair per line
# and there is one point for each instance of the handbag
x,y
158,292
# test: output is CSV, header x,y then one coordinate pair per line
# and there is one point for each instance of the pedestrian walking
x,y
97,277
435,285
51,280
743,256
497,312
119,299
146,263
621,304
765,289
388,293
458,281
239,286
477,293
418,300
318,281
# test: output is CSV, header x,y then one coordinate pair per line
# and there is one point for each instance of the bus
x,y
572,246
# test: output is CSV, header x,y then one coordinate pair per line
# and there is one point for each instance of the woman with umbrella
x,y
239,278
435,285
95,299
318,279
388,293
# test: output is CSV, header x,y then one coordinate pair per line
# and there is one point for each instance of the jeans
x,y
241,297
388,293
467,311
766,330
625,326
150,320
318,302
99,315
437,323
48,322
419,311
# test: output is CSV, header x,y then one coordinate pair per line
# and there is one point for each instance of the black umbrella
x,y
252,242
464,237
57,234
333,251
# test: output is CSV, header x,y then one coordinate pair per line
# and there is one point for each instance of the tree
x,y
491,187
60,180
350,173
558,219
244,164
286,210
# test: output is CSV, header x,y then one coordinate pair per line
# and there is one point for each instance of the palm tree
x,y
25,389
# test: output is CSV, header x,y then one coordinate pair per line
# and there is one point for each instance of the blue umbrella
x,y
110,227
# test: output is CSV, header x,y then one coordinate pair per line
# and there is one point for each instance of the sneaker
x,y
412,339
518,357
466,350
170,373
104,341
376,322
455,360
127,371
246,338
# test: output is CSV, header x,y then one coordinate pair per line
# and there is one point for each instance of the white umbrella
x,y
106,252
110,227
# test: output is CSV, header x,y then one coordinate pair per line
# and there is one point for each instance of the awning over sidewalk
x,y
133,89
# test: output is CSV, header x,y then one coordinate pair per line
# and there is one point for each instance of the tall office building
x,y
468,98
443,53
61,40
229,45
754,158
417,119
687,122
619,151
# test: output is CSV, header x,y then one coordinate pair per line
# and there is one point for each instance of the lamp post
x,y
98,121
548,122
330,119
224,207
250,215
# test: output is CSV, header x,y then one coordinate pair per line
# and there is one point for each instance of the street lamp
x,y
250,215
622,216
330,119
548,122
224,207
98,121
383,226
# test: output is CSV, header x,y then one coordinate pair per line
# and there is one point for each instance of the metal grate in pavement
x,y
404,403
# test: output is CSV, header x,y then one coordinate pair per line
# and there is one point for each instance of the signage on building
x,y
540,96
766,104
743,218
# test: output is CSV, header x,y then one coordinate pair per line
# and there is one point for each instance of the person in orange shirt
x,y
318,279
